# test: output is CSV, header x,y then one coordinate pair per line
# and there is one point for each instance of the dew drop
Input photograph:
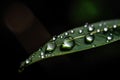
x,y
80,31
93,45
42,53
42,56
27,61
114,26
61,37
90,28
100,24
54,38
109,38
89,39
50,47
105,29
98,30
68,44
66,33
72,31
86,25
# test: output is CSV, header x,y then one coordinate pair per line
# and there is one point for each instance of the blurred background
x,y
59,16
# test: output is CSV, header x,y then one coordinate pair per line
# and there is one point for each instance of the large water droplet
x,y
50,47
89,39
68,44
91,28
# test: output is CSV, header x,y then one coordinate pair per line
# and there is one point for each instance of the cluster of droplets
x,y
68,42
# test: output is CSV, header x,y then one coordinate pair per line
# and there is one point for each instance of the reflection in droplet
x,y
68,44
50,47
89,39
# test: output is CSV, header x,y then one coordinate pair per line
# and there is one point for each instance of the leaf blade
x,y
78,39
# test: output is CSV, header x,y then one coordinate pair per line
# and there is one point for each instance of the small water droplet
x,y
72,31
105,29
104,23
42,56
80,31
42,53
109,38
66,33
58,36
54,38
86,25
100,24
90,28
114,26
68,44
27,61
50,47
98,30
89,39
93,45
61,37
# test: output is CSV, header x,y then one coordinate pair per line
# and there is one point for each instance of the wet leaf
x,y
76,40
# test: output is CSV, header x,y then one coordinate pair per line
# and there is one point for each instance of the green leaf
x,y
78,39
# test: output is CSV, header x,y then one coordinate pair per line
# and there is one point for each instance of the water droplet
x,y
68,44
50,47
114,26
61,37
58,36
104,23
27,61
66,33
42,56
54,38
42,53
93,45
72,31
100,24
98,30
105,29
89,39
90,28
80,31
86,25
109,38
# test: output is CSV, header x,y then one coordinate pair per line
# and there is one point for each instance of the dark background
x,y
61,15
